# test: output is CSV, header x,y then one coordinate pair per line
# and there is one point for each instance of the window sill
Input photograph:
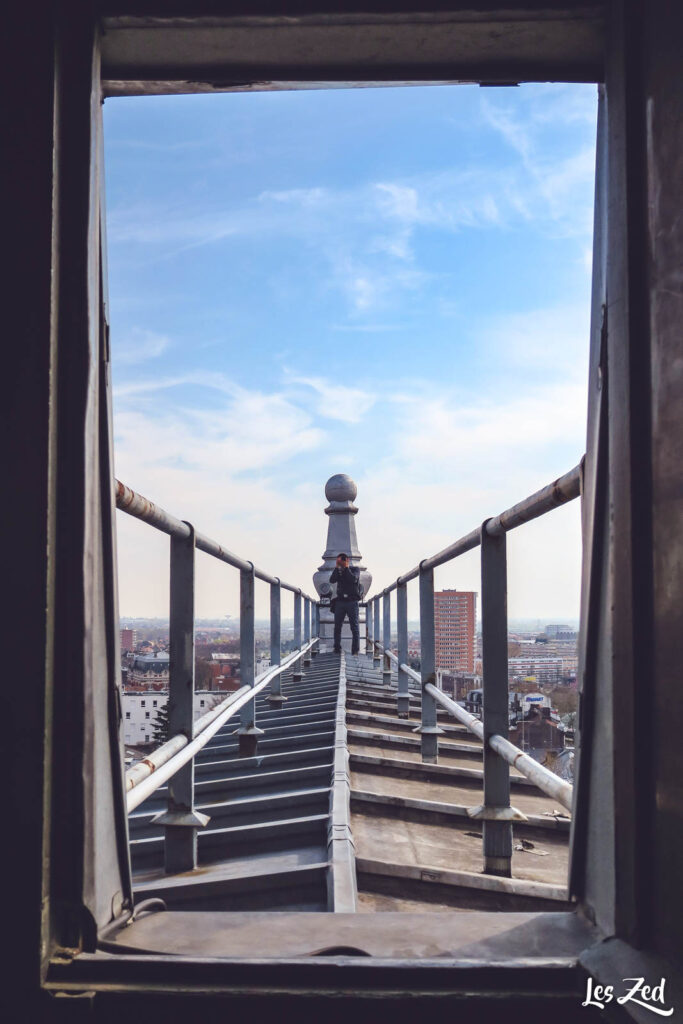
x,y
302,953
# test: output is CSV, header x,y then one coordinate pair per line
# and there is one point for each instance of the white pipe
x,y
156,759
471,721
542,777
151,773
153,781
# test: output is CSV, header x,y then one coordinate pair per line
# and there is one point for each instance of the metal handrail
x,y
406,668
136,505
148,775
542,777
559,492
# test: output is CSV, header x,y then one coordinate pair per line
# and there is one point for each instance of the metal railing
x,y
145,777
498,752
173,762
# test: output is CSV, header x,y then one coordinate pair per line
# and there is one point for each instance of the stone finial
x,y
340,491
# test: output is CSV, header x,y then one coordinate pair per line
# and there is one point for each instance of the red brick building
x,y
224,676
454,620
129,639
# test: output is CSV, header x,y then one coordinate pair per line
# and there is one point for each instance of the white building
x,y
542,669
560,631
141,709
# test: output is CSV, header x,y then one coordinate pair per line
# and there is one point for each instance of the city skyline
x,y
515,625
296,291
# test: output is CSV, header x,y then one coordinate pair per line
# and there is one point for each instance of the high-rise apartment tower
x,y
454,621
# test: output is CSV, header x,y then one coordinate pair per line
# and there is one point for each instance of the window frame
x,y
80,144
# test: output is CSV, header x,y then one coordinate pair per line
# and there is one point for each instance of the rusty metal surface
x,y
136,505
559,492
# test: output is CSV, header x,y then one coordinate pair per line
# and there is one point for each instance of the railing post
x,y
297,674
316,628
248,733
375,635
180,819
275,696
307,628
368,628
428,728
402,630
386,638
496,812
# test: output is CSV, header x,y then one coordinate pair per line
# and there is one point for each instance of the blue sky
x,y
392,283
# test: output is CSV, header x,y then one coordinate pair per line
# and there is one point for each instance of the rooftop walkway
x,y
265,846
417,850
416,846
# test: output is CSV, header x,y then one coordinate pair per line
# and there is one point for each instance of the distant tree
x,y
203,673
565,699
160,726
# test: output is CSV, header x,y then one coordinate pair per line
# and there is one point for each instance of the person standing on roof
x,y
349,593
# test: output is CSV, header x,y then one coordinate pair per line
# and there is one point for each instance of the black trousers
x,y
341,610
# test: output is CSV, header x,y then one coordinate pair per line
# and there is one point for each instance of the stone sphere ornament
x,y
340,487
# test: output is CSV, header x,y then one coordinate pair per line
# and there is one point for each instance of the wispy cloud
x,y
444,460
140,386
336,400
371,286
249,430
140,346
549,343
369,328
483,439
365,235
176,146
554,186
307,198
400,201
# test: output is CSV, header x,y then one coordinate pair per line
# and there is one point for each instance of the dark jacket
x,y
345,578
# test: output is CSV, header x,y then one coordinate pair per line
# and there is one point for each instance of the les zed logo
x,y
640,994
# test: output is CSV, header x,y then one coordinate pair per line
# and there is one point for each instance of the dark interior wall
x,y
28,515
90,871
60,654
663,115
626,598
